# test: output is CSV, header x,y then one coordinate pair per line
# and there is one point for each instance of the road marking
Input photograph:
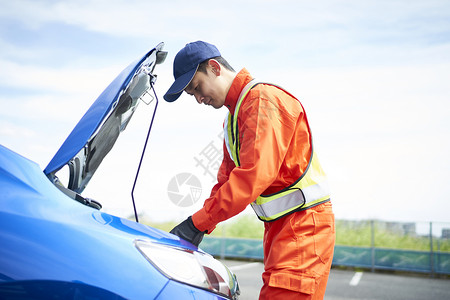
x,y
356,278
241,267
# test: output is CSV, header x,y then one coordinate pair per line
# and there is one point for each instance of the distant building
x,y
409,229
446,233
399,228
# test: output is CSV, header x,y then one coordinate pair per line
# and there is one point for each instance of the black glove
x,y
187,231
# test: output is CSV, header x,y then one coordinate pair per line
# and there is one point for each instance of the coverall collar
x,y
239,82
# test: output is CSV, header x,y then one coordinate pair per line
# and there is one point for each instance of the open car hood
x,y
97,131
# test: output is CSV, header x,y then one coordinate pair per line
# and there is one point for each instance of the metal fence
x,y
375,245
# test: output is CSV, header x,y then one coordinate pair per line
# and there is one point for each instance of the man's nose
x,y
198,98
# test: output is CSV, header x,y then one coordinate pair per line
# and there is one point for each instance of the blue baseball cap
x,y
186,64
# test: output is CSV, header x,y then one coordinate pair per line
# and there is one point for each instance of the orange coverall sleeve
x,y
267,121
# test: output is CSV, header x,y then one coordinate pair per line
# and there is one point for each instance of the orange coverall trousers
x,y
298,251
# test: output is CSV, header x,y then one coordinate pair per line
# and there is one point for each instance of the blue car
x,y
57,244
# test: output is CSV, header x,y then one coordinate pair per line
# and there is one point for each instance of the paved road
x,y
350,285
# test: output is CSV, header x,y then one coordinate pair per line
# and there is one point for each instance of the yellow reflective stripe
x,y
229,138
265,199
273,206
243,94
267,207
227,134
276,216
231,128
281,214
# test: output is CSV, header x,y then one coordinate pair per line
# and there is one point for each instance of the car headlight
x,y
190,267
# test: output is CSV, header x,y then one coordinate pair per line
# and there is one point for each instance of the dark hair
x,y
220,59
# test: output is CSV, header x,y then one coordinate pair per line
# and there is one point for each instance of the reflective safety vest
x,y
309,190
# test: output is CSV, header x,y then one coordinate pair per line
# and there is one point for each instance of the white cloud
x,y
11,130
68,80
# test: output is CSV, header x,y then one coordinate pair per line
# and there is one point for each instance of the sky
x,y
373,77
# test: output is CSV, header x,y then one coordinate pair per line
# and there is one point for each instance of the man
x,y
268,162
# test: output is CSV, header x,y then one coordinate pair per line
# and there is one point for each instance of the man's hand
x,y
187,231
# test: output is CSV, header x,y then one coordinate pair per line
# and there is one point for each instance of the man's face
x,y
207,88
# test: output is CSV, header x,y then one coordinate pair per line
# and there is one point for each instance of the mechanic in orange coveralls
x,y
268,162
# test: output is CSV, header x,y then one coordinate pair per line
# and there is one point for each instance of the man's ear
x,y
216,68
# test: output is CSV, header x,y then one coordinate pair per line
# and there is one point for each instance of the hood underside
x,y
97,131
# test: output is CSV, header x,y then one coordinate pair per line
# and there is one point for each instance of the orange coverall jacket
x,y
274,152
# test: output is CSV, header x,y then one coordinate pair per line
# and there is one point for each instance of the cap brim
x,y
179,85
